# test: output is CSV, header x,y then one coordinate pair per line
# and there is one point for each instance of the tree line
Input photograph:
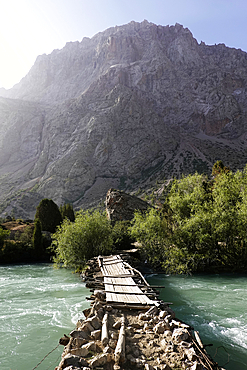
x,y
200,227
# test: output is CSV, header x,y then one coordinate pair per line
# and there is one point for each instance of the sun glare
x,y
25,33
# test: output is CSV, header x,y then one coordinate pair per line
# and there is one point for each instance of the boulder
x,y
121,206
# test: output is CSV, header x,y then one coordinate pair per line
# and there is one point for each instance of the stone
x,y
163,314
64,340
180,335
147,326
117,325
96,334
75,361
79,334
114,335
167,334
163,343
107,349
86,312
165,367
148,367
97,306
100,294
100,313
136,353
94,322
191,354
84,350
100,360
170,312
136,325
79,342
196,366
112,343
160,327
152,311
144,317
108,308
87,327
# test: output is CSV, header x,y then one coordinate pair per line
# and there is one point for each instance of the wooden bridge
x,y
120,286
128,326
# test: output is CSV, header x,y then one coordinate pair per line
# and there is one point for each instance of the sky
x,y
29,28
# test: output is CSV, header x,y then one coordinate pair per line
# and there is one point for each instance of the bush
x,y
76,242
121,235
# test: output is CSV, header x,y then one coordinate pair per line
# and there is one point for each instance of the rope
x,y
225,351
46,356
59,357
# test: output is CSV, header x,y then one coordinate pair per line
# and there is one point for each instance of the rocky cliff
x,y
130,105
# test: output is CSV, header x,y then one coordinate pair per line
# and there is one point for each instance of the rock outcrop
x,y
130,105
121,206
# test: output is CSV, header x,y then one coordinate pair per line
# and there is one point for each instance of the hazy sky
x,y
29,28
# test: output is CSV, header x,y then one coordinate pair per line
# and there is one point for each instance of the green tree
x,y
37,239
76,242
3,235
25,236
219,168
121,236
151,231
49,215
67,211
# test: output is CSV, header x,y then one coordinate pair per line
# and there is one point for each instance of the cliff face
x,y
130,105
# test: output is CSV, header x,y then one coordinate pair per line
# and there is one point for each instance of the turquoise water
x,y
216,306
39,304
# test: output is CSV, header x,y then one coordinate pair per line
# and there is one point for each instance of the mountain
x,y
132,104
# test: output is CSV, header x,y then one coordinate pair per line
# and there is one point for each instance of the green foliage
x,y
3,236
67,211
49,215
219,168
37,239
150,229
25,236
202,226
76,242
121,236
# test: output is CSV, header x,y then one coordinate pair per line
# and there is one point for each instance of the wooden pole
x,y
104,332
120,348
138,272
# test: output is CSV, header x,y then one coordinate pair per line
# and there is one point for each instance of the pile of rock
x,y
110,338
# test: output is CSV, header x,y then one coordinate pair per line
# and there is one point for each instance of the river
x,y
215,305
38,304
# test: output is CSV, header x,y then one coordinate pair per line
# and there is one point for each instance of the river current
x,y
38,304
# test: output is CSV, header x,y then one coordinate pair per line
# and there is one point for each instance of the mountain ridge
x,y
133,103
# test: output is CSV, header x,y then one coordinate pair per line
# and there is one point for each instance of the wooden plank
x,y
128,293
